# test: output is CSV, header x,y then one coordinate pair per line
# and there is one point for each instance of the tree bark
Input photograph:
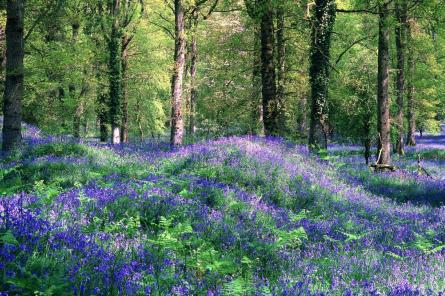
x,y
75,26
80,108
124,123
383,115
177,123
400,31
13,95
268,77
322,26
193,88
257,109
410,139
115,68
281,59
2,60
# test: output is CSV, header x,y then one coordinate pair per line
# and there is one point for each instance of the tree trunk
x,y
80,107
103,112
367,141
75,26
124,123
193,88
322,26
177,123
268,80
12,105
401,16
281,59
2,60
257,109
410,139
383,119
115,67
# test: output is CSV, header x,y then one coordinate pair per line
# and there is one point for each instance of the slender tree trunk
x,y
138,119
401,16
367,140
383,116
77,112
268,79
177,123
80,107
115,75
72,89
193,88
124,124
322,26
410,139
103,112
257,107
303,120
12,105
281,59
77,119
2,60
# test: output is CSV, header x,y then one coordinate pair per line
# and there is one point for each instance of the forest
x,y
222,147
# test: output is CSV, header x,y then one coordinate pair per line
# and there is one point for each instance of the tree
x,y
383,119
401,10
322,26
115,72
12,106
177,123
256,111
281,71
410,139
193,53
193,69
130,21
268,77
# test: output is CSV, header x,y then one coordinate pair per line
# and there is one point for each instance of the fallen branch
x,y
383,167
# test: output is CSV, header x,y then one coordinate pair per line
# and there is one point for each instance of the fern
x,y
293,238
238,287
426,245
303,214
8,239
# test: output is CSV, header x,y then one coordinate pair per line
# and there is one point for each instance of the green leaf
x,y
9,239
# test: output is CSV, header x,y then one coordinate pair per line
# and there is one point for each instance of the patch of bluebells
x,y
238,194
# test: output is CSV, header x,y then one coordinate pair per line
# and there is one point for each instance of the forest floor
x,y
234,216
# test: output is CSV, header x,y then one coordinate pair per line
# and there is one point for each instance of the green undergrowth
x,y
63,165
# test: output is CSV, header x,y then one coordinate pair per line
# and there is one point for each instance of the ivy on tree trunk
x,y
322,25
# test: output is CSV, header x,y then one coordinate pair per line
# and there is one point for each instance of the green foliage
x,y
427,244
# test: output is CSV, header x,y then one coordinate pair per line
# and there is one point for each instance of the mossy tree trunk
x,y
323,21
400,32
268,76
410,139
115,68
281,71
124,124
13,95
